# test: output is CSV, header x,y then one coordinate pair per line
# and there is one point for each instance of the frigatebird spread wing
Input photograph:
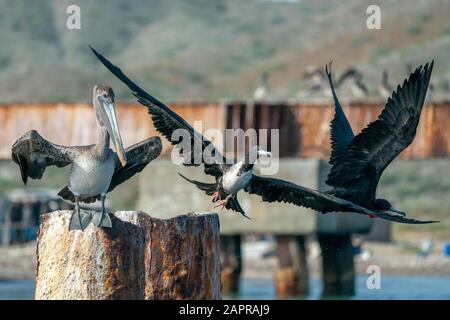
x,y
370,152
341,131
277,190
167,122
34,154
137,155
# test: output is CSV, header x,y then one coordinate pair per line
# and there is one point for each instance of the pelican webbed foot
x,y
80,219
102,218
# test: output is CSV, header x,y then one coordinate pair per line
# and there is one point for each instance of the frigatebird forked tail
x,y
213,188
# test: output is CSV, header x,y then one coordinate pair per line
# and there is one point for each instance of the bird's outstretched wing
x,y
341,131
34,154
277,190
137,155
167,122
370,152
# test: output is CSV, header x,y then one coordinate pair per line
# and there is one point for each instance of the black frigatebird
x,y
358,161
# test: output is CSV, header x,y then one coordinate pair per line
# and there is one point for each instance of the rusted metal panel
x,y
304,127
74,123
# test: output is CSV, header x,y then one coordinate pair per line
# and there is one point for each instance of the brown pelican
x,y
230,177
364,159
358,161
95,169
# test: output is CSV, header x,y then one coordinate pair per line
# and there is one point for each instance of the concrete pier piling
x,y
139,258
291,277
231,256
338,269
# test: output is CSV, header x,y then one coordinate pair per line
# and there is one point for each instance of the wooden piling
x,y
139,258
230,248
291,277
338,271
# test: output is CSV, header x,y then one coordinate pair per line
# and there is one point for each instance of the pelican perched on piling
x,y
95,169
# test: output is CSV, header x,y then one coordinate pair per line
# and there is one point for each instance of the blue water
x,y
392,287
17,290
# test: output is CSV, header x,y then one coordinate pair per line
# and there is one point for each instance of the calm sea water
x,y
392,287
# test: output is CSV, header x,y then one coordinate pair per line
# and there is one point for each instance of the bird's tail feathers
x,y
209,188
66,194
233,204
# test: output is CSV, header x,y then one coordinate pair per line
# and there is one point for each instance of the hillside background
x,y
201,49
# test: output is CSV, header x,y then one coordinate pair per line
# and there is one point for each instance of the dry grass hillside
x,y
202,49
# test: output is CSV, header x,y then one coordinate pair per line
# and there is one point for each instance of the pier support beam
x,y
139,258
230,247
338,271
291,277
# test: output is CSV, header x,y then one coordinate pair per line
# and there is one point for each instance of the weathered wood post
x,y
182,257
338,270
230,246
139,258
291,278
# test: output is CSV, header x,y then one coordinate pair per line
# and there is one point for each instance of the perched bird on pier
x,y
262,90
95,169
358,161
230,177
319,81
359,89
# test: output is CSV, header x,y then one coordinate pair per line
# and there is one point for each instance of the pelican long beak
x,y
113,128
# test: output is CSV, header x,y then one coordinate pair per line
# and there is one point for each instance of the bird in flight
x,y
358,161
230,177
400,117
